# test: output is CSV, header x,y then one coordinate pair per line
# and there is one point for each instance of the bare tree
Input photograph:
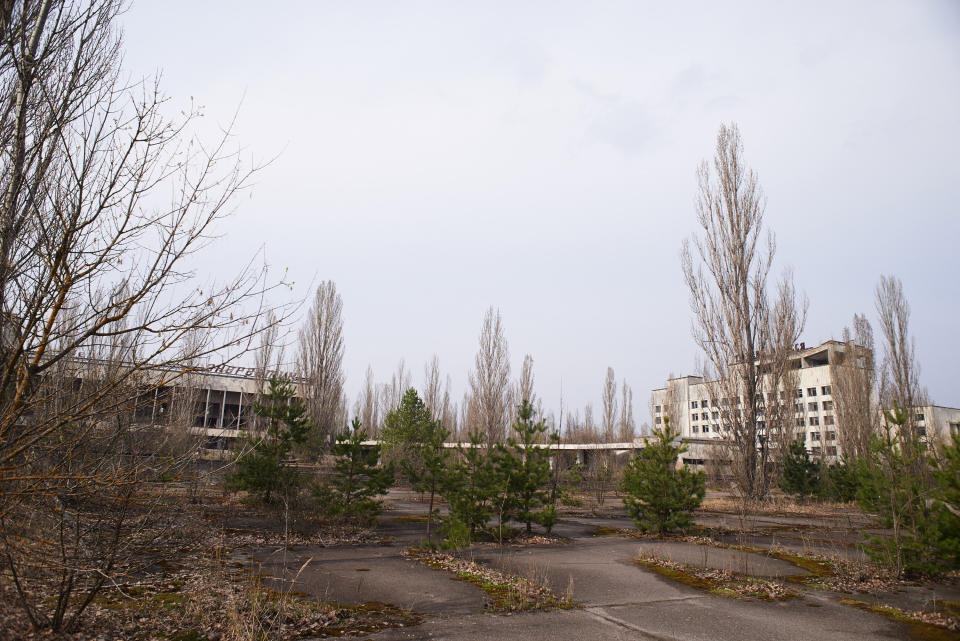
x,y
525,390
432,386
853,379
368,404
899,370
780,378
268,362
727,271
490,380
391,393
609,400
105,205
436,395
320,364
626,426
583,429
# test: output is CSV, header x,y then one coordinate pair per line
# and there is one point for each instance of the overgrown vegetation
x,y
800,476
358,478
507,592
262,467
659,495
720,582
901,482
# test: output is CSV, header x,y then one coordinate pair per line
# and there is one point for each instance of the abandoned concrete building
x,y
696,408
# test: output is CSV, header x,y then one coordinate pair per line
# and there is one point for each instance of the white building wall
x,y
814,417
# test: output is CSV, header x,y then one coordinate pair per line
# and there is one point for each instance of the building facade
x,y
689,402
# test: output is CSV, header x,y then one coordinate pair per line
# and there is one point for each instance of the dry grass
x,y
507,592
721,582
777,505
187,586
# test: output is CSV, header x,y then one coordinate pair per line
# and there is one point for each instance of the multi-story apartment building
x,y
693,409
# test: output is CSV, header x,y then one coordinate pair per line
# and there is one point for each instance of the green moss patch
x,y
719,582
919,630
507,592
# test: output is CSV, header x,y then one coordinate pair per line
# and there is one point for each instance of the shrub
x,y
899,483
357,479
659,495
261,467
800,476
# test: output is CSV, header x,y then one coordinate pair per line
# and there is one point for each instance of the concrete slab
x,y
602,570
354,575
695,619
721,619
542,626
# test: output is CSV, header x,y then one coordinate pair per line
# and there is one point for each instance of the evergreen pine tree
x,y
660,496
525,461
358,479
469,484
948,503
800,476
897,482
261,467
431,474
405,430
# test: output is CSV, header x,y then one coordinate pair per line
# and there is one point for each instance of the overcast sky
x,y
434,159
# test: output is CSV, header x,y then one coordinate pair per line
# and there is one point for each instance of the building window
x,y
812,407
706,428
799,393
704,403
825,390
827,405
815,451
919,417
814,420
800,422
657,410
811,391
831,436
695,417
832,450
693,405
814,436
828,419
798,408
716,415
657,421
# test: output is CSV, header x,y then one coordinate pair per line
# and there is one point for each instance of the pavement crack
x,y
603,616
654,602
